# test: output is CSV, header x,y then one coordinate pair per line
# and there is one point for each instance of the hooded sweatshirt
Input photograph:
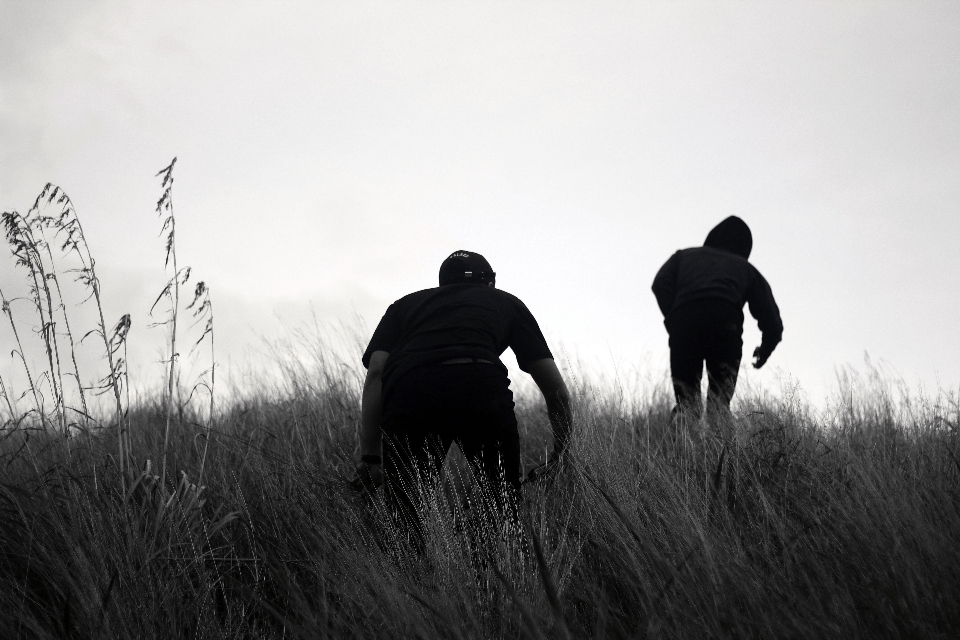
x,y
720,270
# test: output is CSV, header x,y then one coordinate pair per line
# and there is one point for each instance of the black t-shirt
x,y
455,321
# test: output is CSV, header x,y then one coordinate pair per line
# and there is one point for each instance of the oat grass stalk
x,y
26,250
69,232
6,398
38,405
202,307
118,379
40,223
172,293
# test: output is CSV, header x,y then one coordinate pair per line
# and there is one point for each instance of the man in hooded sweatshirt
x,y
701,292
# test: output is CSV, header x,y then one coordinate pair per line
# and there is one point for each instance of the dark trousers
x,y
431,407
710,331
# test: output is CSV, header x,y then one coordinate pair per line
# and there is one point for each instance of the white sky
x,y
332,154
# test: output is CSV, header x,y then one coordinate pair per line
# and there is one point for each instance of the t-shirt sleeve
x,y
526,339
387,335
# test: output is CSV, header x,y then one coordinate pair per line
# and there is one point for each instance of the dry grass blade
x,y
668,583
454,629
719,472
525,614
546,579
105,600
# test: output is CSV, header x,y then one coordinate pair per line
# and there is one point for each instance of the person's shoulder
x,y
478,292
508,300
415,297
500,294
755,272
719,253
688,255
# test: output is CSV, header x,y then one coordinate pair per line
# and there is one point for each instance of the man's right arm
x,y
371,405
547,377
369,475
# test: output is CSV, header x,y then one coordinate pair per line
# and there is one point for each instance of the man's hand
x,y
548,468
368,476
759,358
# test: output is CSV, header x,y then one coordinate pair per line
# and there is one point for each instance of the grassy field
x,y
843,524
173,517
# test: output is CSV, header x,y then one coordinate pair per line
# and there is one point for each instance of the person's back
x,y
455,321
701,292
434,377
707,272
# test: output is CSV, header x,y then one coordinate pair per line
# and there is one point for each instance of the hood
x,y
731,235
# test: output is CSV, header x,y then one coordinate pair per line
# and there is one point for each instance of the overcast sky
x,y
332,154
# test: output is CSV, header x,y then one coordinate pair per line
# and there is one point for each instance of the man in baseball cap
x,y
434,377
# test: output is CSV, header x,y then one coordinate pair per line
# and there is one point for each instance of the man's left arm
x,y
764,308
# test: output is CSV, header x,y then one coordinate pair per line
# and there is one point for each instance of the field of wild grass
x,y
198,513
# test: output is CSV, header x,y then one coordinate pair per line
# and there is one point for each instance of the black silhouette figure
x,y
434,377
701,292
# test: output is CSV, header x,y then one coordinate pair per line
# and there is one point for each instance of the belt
x,y
465,361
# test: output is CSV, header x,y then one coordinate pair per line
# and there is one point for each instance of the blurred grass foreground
x,y
191,515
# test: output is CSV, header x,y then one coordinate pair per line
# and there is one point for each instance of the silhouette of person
x,y
701,292
434,377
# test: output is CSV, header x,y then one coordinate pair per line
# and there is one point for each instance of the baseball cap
x,y
465,267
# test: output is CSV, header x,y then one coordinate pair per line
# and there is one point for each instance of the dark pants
x,y
708,331
431,407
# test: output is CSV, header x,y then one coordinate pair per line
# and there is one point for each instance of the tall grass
x,y
804,525
171,293
837,523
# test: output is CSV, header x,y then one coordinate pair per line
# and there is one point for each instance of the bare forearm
x,y
547,376
561,418
371,413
